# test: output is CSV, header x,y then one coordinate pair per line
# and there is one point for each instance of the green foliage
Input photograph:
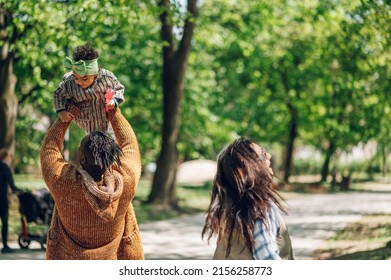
x,y
306,166
28,145
366,239
250,62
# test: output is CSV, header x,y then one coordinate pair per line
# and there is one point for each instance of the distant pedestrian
x,y
244,212
6,179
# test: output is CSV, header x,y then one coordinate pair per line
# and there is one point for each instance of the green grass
x,y
367,239
191,199
29,181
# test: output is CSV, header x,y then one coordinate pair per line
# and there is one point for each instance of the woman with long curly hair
x,y
244,212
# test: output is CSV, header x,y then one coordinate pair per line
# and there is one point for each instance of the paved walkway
x,y
313,218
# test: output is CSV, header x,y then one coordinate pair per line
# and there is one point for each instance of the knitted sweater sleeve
x,y
52,161
130,160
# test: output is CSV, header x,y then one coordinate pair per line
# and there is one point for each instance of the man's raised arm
x,y
126,138
52,161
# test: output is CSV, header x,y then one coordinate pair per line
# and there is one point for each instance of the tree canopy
x,y
286,74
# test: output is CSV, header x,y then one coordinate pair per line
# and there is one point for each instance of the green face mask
x,y
82,67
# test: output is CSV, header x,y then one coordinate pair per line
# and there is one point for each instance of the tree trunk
x,y
8,100
291,140
326,164
163,193
163,187
384,159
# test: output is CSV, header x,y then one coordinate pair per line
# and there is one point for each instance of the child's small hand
x,y
65,116
109,105
109,96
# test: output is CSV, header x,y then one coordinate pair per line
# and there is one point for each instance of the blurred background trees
x,y
308,80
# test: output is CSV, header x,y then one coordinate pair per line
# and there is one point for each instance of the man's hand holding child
x,y
65,116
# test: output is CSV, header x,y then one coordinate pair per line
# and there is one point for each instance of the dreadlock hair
x,y
242,189
100,151
85,52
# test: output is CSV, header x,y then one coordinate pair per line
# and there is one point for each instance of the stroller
x,y
35,207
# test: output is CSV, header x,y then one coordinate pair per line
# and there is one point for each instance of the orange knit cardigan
x,y
89,223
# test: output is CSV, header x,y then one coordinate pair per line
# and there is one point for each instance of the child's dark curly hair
x,y
85,52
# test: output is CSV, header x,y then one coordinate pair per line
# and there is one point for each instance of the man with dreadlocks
x,y
93,215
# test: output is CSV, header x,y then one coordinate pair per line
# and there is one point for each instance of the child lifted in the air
x,y
93,89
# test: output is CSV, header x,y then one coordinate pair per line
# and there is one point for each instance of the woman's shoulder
x,y
274,214
273,207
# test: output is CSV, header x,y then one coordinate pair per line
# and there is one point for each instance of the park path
x,y
315,218
312,219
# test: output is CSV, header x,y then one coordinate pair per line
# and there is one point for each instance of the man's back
x,y
89,223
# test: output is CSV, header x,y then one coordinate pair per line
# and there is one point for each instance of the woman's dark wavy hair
x,y
242,190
